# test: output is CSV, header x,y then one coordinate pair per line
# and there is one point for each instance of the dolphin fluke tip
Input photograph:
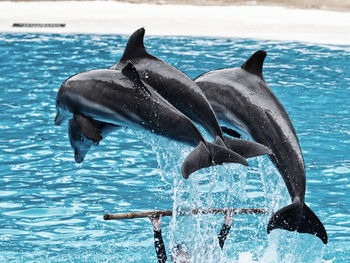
x,y
298,218
209,154
197,159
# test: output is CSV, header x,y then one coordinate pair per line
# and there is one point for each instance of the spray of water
x,y
229,185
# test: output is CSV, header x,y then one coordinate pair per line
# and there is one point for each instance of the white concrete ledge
x,y
104,17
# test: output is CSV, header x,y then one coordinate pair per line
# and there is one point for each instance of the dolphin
x,y
180,90
241,97
119,97
80,143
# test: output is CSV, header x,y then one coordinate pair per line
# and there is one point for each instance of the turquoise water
x,y
51,209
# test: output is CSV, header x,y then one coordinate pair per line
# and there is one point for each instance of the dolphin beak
x,y
79,158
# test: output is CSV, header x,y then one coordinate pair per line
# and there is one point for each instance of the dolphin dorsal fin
x,y
254,64
131,73
134,47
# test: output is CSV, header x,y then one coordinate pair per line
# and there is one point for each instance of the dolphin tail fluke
x,y
298,218
245,148
209,154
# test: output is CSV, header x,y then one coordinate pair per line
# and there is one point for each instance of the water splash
x,y
229,185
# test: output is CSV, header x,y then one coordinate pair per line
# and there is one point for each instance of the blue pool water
x,y
51,209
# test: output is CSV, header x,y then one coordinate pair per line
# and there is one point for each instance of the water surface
x,y
51,209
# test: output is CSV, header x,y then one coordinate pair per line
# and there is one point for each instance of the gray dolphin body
x,y
119,97
180,90
241,97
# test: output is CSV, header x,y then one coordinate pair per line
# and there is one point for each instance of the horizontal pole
x,y
156,213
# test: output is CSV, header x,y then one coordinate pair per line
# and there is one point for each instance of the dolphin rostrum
x,y
242,98
119,97
180,90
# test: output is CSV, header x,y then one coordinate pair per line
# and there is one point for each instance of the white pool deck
x,y
107,17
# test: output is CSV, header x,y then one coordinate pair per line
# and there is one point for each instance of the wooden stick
x,y
249,211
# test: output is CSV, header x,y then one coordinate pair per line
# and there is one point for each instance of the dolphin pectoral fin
x,y
87,127
209,155
59,118
245,148
298,218
230,132
78,141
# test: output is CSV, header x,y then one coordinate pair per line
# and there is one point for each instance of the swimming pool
x,y
51,209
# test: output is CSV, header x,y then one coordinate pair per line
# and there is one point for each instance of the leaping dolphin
x,y
119,97
180,90
242,98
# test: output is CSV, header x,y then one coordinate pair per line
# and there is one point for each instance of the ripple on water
x,y
41,212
